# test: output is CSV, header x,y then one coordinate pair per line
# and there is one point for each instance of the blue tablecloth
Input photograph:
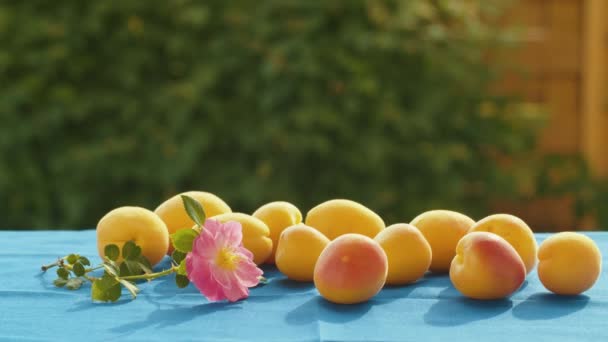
x,y
31,308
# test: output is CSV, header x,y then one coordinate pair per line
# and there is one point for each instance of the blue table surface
x,y
32,309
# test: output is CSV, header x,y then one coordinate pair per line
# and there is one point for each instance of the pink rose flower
x,y
219,266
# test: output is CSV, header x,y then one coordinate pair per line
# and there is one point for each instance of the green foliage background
x,y
127,102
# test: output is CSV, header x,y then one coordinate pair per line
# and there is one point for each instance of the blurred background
x,y
478,106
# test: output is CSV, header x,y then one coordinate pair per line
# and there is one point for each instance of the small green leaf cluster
x,y
71,271
108,288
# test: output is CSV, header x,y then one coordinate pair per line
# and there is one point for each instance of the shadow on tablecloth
x,y
542,306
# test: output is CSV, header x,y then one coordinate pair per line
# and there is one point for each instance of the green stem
x,y
44,268
86,270
91,279
93,269
151,276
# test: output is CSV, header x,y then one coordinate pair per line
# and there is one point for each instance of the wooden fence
x,y
565,51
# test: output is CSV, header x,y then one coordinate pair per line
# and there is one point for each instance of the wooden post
x,y
594,114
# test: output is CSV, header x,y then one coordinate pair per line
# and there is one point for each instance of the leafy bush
x,y
126,102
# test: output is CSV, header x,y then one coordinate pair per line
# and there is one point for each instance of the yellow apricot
x,y
298,249
256,235
515,231
351,269
569,263
339,216
486,266
174,215
278,216
409,254
442,229
134,224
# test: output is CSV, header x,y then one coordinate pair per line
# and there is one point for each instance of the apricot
x,y
442,229
135,224
256,235
278,216
409,254
486,266
351,269
298,250
515,231
569,263
174,215
339,216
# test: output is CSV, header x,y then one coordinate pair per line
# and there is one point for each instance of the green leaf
x,y
78,269
178,256
124,271
130,267
84,261
74,283
130,251
111,252
263,281
182,240
63,273
144,264
182,268
181,281
106,289
194,209
60,282
113,294
105,282
72,258
130,287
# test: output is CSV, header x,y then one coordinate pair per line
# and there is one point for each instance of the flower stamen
x,y
227,259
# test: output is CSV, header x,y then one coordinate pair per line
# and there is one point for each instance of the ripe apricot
x,y
135,224
515,231
442,229
277,216
486,266
409,254
339,216
569,263
298,250
351,269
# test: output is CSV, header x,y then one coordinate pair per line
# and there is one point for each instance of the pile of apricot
x,y
349,254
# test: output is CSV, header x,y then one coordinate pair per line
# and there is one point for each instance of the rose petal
x,y
236,291
222,276
213,226
248,274
210,289
196,268
200,276
245,252
204,245
232,234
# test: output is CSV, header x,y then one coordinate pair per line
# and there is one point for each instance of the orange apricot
x,y
515,231
486,266
351,269
442,229
569,263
